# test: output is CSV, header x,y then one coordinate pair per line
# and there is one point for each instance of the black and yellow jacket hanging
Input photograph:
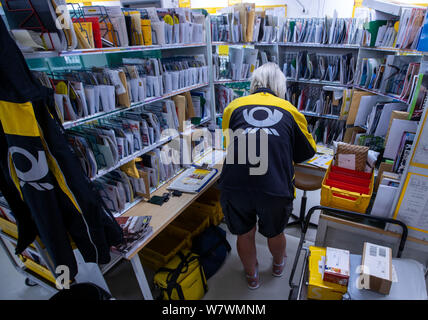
x,y
41,177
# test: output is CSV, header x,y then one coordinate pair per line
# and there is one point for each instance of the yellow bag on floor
x,y
182,278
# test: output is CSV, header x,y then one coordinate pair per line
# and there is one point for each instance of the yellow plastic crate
x,y
211,209
319,289
193,221
212,194
343,199
165,246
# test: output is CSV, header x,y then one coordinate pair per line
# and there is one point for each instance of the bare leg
x,y
246,246
277,246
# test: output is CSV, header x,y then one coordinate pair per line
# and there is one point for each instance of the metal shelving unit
x,y
165,51
320,82
78,52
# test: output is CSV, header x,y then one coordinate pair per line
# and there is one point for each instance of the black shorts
x,y
241,210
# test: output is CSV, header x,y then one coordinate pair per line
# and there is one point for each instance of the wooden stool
x,y
306,182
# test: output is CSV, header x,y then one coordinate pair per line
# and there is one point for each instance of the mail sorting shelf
x,y
100,115
128,206
387,95
50,54
127,159
319,82
298,291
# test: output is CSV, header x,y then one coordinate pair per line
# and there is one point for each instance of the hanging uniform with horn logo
x,y
41,177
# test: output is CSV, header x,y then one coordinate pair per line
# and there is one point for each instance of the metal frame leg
x,y
141,278
301,219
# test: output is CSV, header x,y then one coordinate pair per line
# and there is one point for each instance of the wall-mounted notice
x,y
420,156
412,208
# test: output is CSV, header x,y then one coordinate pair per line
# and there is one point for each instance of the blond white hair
x,y
271,77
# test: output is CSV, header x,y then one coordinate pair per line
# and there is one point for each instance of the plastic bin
x,y
344,199
211,209
193,221
165,246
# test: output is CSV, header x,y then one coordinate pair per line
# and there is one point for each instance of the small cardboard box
x,y
319,289
337,266
377,268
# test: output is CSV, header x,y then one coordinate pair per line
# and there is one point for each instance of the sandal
x,y
253,281
278,269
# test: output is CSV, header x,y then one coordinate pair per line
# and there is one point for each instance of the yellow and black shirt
x,y
288,141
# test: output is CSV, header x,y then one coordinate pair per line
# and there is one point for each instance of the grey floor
x,y
228,283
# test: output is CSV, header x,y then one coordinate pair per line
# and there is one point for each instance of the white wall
x,y
314,8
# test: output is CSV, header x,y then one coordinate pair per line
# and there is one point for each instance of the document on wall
x,y
421,149
414,204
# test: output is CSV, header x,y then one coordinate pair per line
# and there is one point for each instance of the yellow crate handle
x,y
341,194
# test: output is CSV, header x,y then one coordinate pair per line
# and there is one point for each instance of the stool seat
x,y
307,182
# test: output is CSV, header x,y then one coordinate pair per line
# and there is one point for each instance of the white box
x,y
377,268
337,266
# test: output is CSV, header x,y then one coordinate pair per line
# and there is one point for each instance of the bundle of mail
x,y
317,100
136,179
320,66
71,26
395,74
82,93
348,31
326,131
411,21
223,96
243,23
135,229
238,65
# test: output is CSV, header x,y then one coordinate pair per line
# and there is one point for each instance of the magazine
x,y
192,180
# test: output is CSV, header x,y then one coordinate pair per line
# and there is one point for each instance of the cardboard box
x,y
319,289
337,266
377,268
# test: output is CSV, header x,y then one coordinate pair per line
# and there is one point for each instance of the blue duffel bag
x,y
212,247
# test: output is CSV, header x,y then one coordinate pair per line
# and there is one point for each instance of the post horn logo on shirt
x,y
39,169
272,118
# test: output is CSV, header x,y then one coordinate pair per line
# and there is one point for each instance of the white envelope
x,y
155,85
205,74
90,98
150,86
176,33
187,80
190,39
111,97
197,33
167,80
161,89
134,90
168,33
141,89
159,29
175,79
200,74
97,100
